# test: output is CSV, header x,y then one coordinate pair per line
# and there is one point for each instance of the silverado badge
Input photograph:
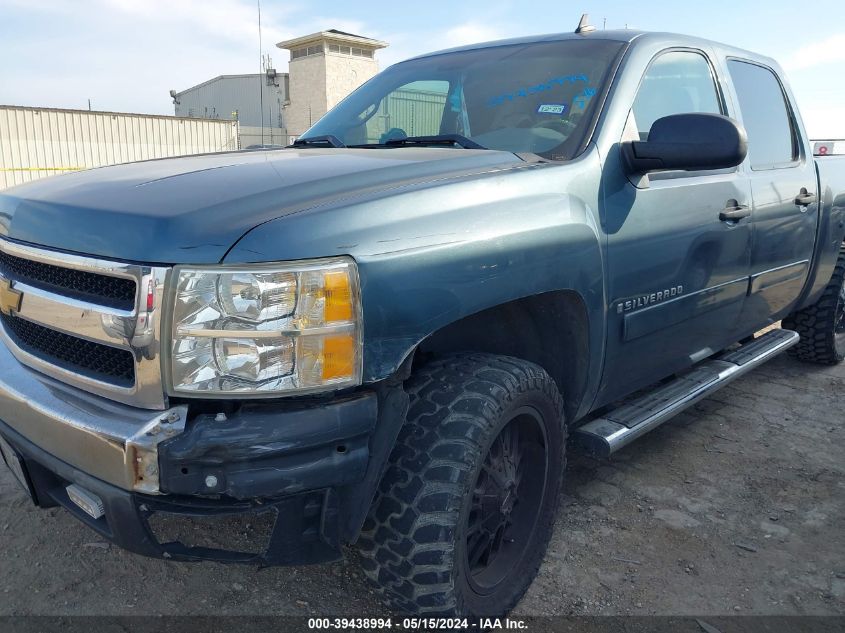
x,y
10,299
649,299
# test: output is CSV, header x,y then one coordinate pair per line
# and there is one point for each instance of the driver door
x,y
678,274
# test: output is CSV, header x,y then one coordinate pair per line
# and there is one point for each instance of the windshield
x,y
538,98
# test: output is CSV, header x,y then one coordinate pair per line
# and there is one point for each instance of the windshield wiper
x,y
318,141
440,139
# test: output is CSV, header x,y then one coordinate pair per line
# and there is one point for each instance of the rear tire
x,y
466,507
822,325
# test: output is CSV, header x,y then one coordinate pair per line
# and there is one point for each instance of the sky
x,y
126,55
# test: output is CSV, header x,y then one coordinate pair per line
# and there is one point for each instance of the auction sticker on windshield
x,y
552,108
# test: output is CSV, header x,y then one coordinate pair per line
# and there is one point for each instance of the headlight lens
x,y
258,297
280,329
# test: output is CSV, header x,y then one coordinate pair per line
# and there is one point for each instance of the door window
x,y
771,134
678,82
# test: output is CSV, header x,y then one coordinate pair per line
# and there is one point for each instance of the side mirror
x,y
688,142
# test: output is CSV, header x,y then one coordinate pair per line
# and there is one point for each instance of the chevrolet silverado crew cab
x,y
383,334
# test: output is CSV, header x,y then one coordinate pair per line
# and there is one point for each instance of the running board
x,y
606,435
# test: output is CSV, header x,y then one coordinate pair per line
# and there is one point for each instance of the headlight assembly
x,y
270,329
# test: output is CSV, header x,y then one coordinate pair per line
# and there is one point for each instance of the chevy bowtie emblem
x,y
10,299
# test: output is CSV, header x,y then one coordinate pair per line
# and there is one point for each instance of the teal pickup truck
x,y
384,334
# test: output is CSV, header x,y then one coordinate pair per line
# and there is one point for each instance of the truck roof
x,y
617,35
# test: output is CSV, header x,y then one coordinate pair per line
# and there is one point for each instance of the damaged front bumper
x,y
305,471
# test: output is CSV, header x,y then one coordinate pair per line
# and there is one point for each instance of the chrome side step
x,y
606,435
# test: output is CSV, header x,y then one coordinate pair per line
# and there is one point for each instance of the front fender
x,y
410,294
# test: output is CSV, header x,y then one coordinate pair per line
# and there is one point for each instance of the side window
x,y
771,134
675,83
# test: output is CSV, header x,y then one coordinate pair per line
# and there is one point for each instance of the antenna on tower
x,y
584,25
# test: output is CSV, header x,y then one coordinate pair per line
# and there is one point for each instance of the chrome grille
x,y
94,324
109,364
116,292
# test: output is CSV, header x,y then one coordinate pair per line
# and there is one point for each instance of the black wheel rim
x,y
839,323
506,501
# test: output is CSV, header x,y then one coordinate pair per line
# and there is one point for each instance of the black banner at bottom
x,y
400,624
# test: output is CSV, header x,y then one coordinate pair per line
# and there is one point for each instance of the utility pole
x,y
261,75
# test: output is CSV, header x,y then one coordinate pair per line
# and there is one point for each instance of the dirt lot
x,y
736,507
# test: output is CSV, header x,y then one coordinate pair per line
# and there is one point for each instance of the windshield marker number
x,y
551,108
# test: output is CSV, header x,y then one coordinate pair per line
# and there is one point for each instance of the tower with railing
x,y
324,68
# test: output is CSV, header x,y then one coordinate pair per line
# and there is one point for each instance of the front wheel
x,y
822,325
466,507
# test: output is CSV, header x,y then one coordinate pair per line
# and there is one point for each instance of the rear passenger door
x,y
784,193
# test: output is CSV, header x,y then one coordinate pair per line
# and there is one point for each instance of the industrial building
x,y
275,108
237,97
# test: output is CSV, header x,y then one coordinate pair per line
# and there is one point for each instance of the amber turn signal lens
x,y
338,357
338,291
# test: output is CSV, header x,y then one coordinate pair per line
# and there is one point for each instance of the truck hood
x,y
194,209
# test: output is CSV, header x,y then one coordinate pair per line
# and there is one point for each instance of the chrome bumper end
x,y
115,443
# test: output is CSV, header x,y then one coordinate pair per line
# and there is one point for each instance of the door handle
x,y
804,199
734,212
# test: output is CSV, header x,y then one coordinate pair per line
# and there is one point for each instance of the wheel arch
x,y
551,329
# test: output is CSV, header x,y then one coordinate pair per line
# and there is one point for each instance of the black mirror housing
x,y
688,142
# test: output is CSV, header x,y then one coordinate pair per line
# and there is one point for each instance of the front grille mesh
x,y
115,366
113,292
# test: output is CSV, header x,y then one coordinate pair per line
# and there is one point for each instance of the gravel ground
x,y
735,507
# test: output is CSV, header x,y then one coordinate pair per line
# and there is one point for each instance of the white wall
x,y
38,142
